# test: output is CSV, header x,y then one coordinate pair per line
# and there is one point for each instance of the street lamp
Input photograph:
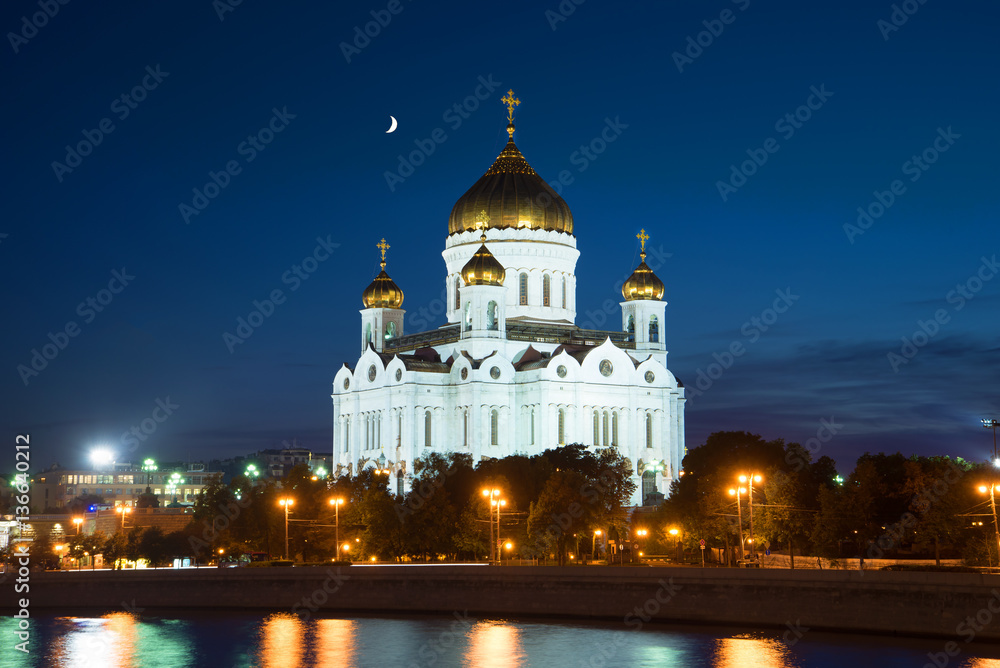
x,y
251,472
990,423
993,506
287,503
508,546
124,510
336,513
750,480
175,480
593,542
495,502
149,466
77,521
739,514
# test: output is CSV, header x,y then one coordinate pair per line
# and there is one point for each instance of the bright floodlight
x,y
101,457
743,478
982,489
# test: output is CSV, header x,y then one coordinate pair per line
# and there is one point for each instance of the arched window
x,y
494,427
399,429
368,334
458,295
368,432
465,428
614,429
597,429
390,330
546,287
564,291
562,427
522,282
654,329
649,430
491,317
532,426
468,317
606,440
347,435
630,328
427,429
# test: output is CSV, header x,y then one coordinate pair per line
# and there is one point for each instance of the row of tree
x,y
554,504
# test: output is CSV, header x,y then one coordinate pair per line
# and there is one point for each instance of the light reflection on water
x,y
282,640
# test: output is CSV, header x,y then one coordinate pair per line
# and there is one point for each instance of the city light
x,y
336,503
286,503
102,457
251,471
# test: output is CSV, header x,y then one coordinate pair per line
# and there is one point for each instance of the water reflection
x,y
96,642
336,641
494,645
281,641
983,663
741,651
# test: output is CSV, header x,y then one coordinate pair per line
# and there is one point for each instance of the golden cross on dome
x,y
643,238
482,220
383,246
511,102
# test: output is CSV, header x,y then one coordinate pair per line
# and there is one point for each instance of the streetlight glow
x,y
286,503
101,457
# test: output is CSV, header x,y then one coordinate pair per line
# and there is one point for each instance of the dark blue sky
x,y
886,95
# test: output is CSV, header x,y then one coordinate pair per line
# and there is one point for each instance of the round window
x,y
650,377
347,383
606,368
371,373
399,375
495,372
561,371
465,372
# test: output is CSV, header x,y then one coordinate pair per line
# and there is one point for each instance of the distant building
x,y
119,485
278,463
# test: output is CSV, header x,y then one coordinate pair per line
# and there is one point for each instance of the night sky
x,y
745,152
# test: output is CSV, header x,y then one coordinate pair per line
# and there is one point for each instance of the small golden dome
x,y
383,292
483,268
643,283
512,193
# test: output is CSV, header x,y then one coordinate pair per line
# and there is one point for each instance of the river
x,y
281,640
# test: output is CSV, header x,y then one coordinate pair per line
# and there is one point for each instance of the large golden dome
x,y
382,292
483,268
643,283
512,194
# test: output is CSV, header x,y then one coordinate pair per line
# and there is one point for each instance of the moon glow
x,y
392,128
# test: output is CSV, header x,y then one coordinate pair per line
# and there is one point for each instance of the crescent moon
x,y
392,128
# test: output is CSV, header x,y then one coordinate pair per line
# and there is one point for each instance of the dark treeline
x,y
890,506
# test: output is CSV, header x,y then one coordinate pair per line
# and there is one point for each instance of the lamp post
x,y
124,510
336,514
739,514
149,466
750,479
993,507
593,543
508,546
991,423
287,503
77,521
495,501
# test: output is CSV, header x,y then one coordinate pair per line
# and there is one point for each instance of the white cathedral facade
x,y
510,372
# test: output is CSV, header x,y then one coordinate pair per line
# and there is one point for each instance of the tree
x,y
153,547
114,549
560,511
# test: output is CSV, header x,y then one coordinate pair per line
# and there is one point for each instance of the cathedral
x,y
510,372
